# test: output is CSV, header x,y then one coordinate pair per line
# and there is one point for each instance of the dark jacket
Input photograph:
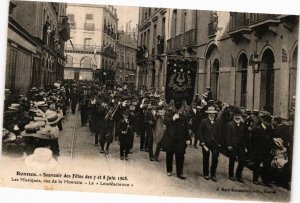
x,y
126,138
99,117
176,133
208,133
235,136
195,119
262,141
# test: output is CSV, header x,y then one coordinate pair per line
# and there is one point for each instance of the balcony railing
x,y
109,52
190,37
79,47
89,26
179,41
171,44
256,18
212,28
239,20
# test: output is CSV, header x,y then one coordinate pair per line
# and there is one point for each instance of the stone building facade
x,y
247,59
126,61
92,46
152,35
35,49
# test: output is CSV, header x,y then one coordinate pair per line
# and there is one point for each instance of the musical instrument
x,y
112,111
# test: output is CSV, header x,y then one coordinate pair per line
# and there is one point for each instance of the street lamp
x,y
255,62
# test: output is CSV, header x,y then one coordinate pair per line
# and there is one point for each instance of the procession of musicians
x,y
120,114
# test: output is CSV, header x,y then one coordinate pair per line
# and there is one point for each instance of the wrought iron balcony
x,y
89,26
256,18
82,48
109,53
239,21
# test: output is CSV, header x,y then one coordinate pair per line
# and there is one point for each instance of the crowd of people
x,y
255,139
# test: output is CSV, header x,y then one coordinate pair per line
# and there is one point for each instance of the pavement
x,y
137,176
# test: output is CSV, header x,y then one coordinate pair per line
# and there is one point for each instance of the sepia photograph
x,y
155,101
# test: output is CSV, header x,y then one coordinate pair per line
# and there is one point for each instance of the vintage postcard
x,y
166,102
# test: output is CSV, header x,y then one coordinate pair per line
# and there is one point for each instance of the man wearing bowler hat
x,y
235,138
210,142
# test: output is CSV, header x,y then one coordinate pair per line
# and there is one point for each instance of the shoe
x,y
240,180
181,176
267,185
102,151
231,178
126,158
255,182
213,178
169,173
206,177
122,157
151,159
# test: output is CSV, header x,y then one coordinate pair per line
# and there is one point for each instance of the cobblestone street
x,y
150,177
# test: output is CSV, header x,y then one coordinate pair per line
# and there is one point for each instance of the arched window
x,y
267,81
241,81
215,78
86,62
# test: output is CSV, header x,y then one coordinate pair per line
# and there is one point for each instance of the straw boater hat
x,y
14,106
211,109
52,117
40,159
30,130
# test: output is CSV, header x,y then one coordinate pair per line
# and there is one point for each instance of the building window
x,y
87,43
89,22
214,80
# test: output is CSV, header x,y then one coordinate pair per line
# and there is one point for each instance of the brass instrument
x,y
111,112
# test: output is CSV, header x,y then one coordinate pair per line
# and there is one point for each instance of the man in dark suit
x,y
175,141
262,141
210,142
194,116
235,140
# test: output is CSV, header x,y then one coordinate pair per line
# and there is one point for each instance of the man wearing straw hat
x,y
210,142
